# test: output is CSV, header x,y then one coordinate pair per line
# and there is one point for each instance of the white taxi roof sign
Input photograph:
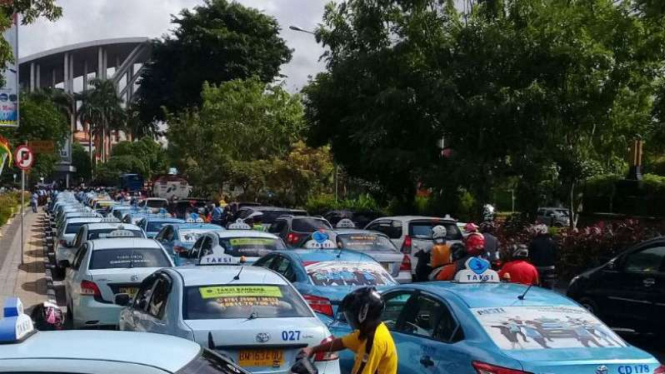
x,y
120,234
239,225
477,270
16,325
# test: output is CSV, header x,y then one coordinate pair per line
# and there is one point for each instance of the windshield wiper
x,y
253,315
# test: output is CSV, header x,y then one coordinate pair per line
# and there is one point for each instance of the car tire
x,y
590,305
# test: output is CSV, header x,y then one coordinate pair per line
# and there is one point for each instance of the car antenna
x,y
521,297
237,277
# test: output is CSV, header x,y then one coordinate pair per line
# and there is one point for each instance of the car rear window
x,y
208,362
157,203
104,233
243,301
270,216
309,225
329,273
190,236
155,226
122,258
73,228
545,327
366,242
423,230
250,247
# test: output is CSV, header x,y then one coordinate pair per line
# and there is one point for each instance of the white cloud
x,y
86,20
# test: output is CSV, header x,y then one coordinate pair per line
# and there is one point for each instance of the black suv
x,y
294,229
629,290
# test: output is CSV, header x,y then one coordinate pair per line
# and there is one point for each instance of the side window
x,y
430,318
79,236
395,230
79,257
168,234
196,249
277,227
160,294
206,246
285,268
395,306
265,262
374,226
649,260
143,296
159,235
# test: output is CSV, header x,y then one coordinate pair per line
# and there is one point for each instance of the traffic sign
x,y
24,157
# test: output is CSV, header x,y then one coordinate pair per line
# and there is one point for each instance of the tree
x,y
217,42
41,119
81,161
517,88
101,108
239,121
151,154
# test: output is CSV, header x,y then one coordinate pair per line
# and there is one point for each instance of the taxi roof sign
x,y
120,233
15,325
477,270
110,220
239,225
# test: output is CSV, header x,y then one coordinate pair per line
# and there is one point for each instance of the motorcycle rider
x,y
440,254
542,253
475,245
447,272
492,253
519,270
371,340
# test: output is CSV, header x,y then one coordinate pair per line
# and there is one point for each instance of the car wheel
x,y
589,305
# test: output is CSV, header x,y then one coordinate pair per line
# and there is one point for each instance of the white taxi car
x,y
252,315
103,268
26,350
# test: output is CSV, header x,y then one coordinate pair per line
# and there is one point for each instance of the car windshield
x,y
243,301
121,258
104,233
366,242
250,247
73,228
338,273
423,230
310,225
157,203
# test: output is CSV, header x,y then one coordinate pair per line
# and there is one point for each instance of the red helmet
x,y
475,244
470,227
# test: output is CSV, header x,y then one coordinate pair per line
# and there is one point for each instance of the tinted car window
x,y
309,224
423,230
157,203
243,301
155,226
645,261
128,258
271,215
251,247
73,228
366,242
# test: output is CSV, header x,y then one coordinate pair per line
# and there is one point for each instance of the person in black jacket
x,y
542,254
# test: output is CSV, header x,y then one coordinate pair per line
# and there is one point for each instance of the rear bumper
x,y
91,313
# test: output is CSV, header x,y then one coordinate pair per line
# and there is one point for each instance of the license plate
x,y
131,291
263,358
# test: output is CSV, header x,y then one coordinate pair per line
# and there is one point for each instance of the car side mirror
x,y
64,264
122,299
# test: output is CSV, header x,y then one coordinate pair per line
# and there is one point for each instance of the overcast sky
x,y
86,20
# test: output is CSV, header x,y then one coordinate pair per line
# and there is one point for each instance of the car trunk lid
x,y
625,360
115,281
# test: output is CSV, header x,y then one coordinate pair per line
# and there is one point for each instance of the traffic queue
x,y
254,301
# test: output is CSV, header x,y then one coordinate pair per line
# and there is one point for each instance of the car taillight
x,y
319,304
292,238
483,368
660,370
406,264
326,356
90,288
406,247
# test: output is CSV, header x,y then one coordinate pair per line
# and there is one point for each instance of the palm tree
x,y
136,127
102,108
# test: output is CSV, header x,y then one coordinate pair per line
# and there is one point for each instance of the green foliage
x,y
240,129
101,108
601,185
145,157
81,161
10,203
323,203
548,92
217,42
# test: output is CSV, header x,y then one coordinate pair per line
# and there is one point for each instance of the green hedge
x,y
322,204
9,201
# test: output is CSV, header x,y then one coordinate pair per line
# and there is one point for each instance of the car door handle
x,y
426,361
649,282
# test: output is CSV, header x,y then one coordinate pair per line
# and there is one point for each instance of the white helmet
x,y
439,232
541,229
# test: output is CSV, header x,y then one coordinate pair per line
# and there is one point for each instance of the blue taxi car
x,y
324,277
498,328
179,238
153,224
99,352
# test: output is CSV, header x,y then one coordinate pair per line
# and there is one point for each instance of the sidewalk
x,y
26,281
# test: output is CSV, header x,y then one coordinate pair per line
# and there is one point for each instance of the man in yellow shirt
x,y
371,341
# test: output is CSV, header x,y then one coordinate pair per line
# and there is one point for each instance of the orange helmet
x,y
475,244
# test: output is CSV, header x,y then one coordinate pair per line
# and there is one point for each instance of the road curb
x,y
48,274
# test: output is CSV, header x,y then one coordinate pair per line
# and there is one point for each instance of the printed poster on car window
x,y
190,236
241,296
545,327
348,274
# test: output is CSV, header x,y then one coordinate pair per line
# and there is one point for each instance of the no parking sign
x,y
23,157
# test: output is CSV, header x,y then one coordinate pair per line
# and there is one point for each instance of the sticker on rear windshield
x,y
251,241
239,291
348,274
545,327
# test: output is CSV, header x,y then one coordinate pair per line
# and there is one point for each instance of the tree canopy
x,y
521,89
216,42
